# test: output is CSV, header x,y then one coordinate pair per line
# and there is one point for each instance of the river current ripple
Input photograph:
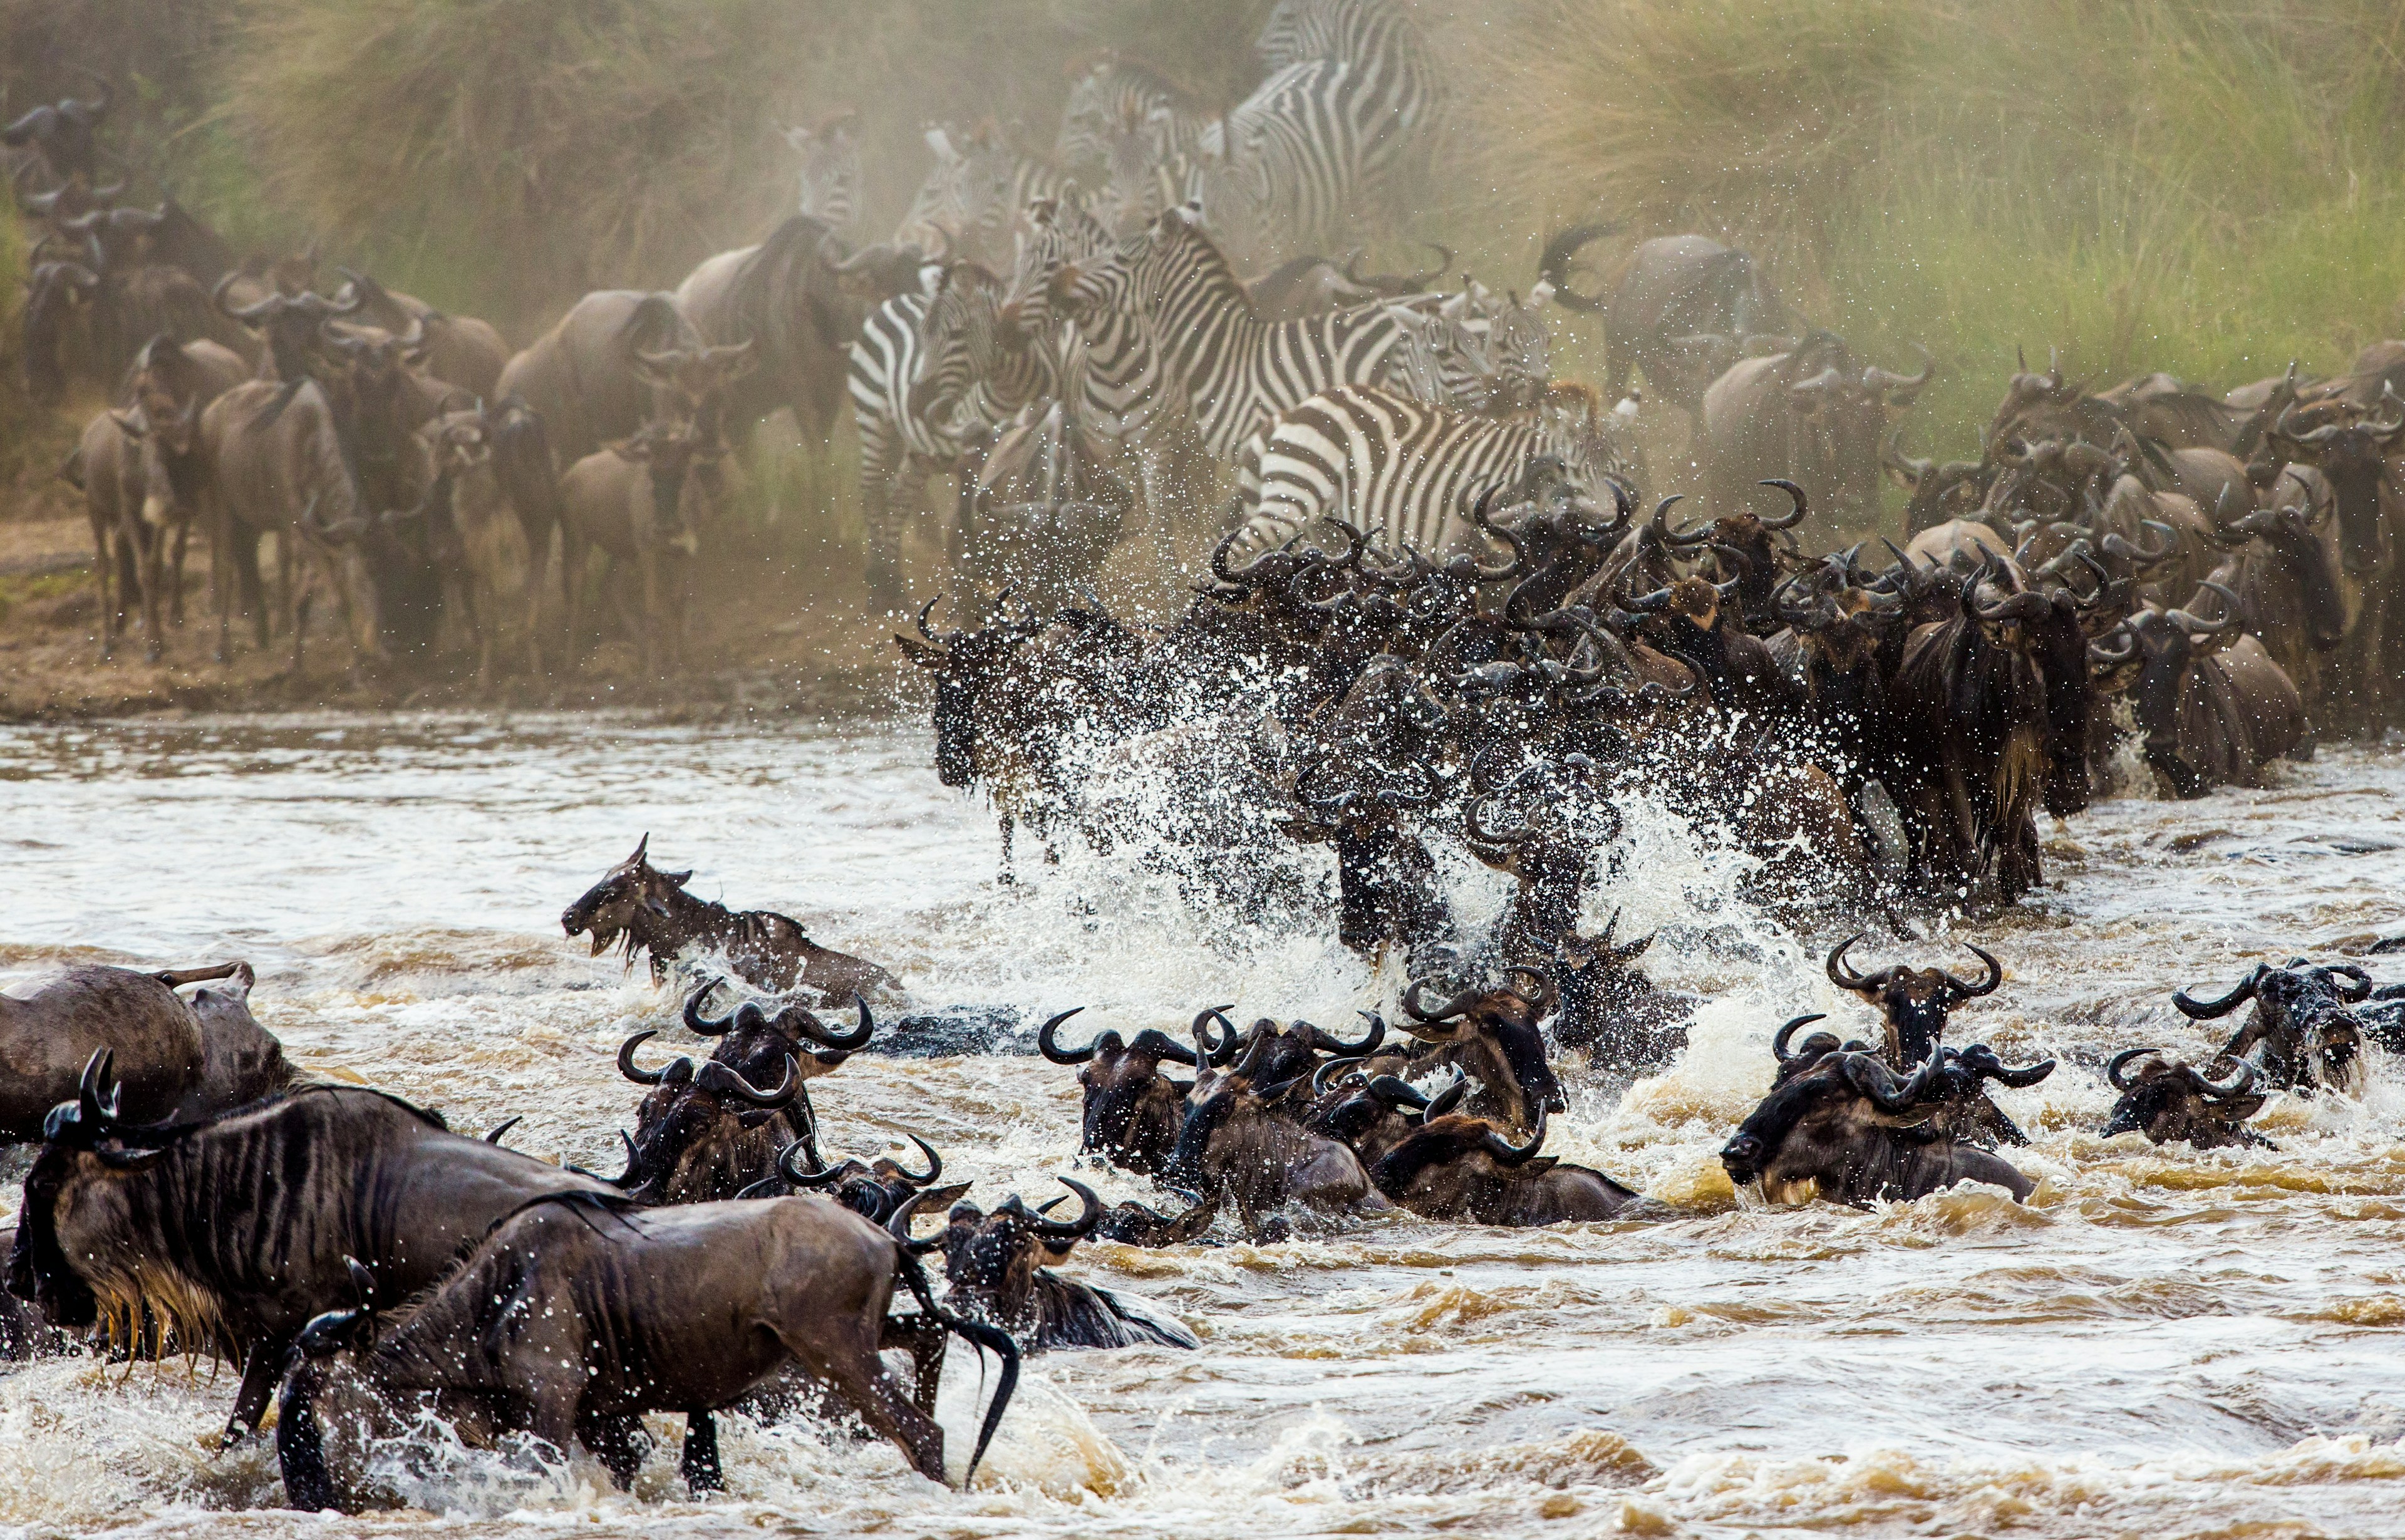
x,y
2161,1343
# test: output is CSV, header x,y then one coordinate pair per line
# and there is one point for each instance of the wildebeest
x,y
2169,1100
575,1317
642,502
1611,1008
876,1190
645,910
277,464
2303,1030
234,1231
1236,1146
2213,712
1847,1129
1489,1033
797,298
704,1134
1668,290
65,134
1912,1002
176,1057
993,1262
1132,1112
1816,416
1462,1168
172,382
618,360
457,350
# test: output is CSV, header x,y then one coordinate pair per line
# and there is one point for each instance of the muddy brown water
x,y
2160,1343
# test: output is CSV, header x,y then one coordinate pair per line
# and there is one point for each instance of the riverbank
x,y
761,641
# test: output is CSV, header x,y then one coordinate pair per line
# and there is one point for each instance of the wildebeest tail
x,y
976,1333
71,468
522,462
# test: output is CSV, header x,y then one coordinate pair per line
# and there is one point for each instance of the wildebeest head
x,y
1936,493
2350,451
1607,1002
2169,643
57,293
77,1135
2304,1022
967,666
876,1190
990,1259
1490,1032
1375,1112
689,384
1840,414
689,1143
2297,550
1912,1001
1805,1134
1131,1110
631,899
2168,1101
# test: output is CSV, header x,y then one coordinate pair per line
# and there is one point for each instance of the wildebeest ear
x,y
679,878
1911,1117
128,1160
642,845
922,654
952,1192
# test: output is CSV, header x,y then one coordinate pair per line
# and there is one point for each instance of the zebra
x,y
923,373
1164,318
1115,94
1289,169
972,197
1401,91
830,174
1407,474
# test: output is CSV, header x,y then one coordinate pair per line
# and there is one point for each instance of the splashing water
x,y
2161,1343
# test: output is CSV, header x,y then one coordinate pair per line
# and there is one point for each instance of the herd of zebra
x,y
1081,356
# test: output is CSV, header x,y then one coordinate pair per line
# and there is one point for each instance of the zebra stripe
x,y
972,198
1401,96
1408,474
1118,95
1165,313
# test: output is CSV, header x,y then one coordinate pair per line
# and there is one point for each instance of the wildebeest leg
x,y
699,1465
104,573
618,1441
284,575
647,562
176,590
843,1355
571,582
262,1367
150,563
925,1339
1006,876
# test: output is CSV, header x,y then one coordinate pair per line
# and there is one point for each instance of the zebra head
x,y
1064,240
965,203
960,340
830,173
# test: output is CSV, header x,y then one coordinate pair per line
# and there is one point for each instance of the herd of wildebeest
x,y
1437,622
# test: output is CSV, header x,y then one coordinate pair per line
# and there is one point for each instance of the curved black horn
x,y
1795,516
789,1165
1507,1154
1079,1228
725,1079
1554,264
898,1226
934,1164
1845,977
1870,1075
2207,1010
1047,1041
1327,1043
1778,1042
1988,985
2120,1061
627,1067
503,1127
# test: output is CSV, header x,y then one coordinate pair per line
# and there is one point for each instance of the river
x,y
2160,1343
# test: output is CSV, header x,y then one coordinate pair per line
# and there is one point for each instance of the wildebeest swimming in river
x,y
648,910
993,1262
1843,1127
178,1058
2303,1030
2168,1099
577,1316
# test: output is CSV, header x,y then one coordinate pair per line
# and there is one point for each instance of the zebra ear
x,y
940,142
